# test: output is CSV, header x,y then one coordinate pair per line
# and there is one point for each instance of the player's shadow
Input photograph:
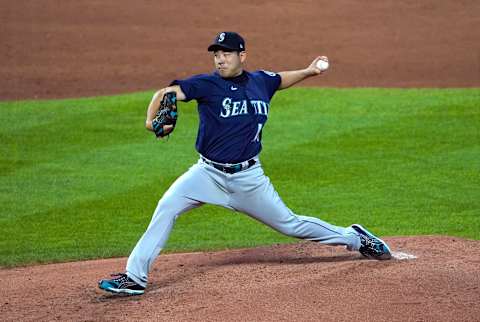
x,y
249,257
212,261
283,260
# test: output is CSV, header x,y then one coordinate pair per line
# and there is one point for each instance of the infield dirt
x,y
299,282
56,49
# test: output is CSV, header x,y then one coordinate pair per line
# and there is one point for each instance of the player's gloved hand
x,y
164,122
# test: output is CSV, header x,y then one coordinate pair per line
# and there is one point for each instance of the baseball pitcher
x,y
233,107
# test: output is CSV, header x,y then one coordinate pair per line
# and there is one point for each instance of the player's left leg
x,y
257,197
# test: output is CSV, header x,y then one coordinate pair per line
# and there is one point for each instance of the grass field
x,y
79,179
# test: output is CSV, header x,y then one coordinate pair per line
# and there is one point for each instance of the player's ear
x,y
243,56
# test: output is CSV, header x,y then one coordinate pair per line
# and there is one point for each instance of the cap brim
x,y
214,47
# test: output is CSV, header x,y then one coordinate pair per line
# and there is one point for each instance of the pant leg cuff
x,y
354,239
137,280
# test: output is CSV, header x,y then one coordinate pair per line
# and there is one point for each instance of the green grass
x,y
79,179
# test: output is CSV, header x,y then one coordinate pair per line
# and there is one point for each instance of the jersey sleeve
x,y
271,80
193,87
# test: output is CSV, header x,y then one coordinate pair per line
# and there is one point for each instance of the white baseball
x,y
322,65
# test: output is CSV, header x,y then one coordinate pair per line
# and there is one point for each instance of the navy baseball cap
x,y
228,41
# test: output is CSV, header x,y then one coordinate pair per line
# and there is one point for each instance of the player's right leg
x,y
172,205
192,189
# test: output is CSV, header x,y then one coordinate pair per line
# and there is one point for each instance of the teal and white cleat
x,y
121,283
371,245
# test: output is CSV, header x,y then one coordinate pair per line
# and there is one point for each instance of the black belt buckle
x,y
230,170
235,168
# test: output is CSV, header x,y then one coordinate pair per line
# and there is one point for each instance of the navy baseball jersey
x,y
232,112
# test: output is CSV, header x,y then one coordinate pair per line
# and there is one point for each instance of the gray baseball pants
x,y
248,191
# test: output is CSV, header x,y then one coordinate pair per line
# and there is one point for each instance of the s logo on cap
x,y
221,37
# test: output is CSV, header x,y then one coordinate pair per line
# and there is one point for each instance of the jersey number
x,y
259,133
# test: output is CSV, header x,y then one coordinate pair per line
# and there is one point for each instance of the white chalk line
x,y
403,256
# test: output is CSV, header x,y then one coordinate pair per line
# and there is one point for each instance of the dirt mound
x,y
298,282
77,48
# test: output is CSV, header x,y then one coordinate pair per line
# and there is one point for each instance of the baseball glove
x,y
167,115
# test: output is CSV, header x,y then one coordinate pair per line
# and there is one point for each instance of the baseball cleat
x,y
371,245
121,283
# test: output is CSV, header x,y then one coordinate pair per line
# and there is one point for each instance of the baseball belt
x,y
230,168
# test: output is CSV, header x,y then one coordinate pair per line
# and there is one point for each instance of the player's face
x,y
229,63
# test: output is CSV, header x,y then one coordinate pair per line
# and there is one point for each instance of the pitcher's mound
x,y
430,279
